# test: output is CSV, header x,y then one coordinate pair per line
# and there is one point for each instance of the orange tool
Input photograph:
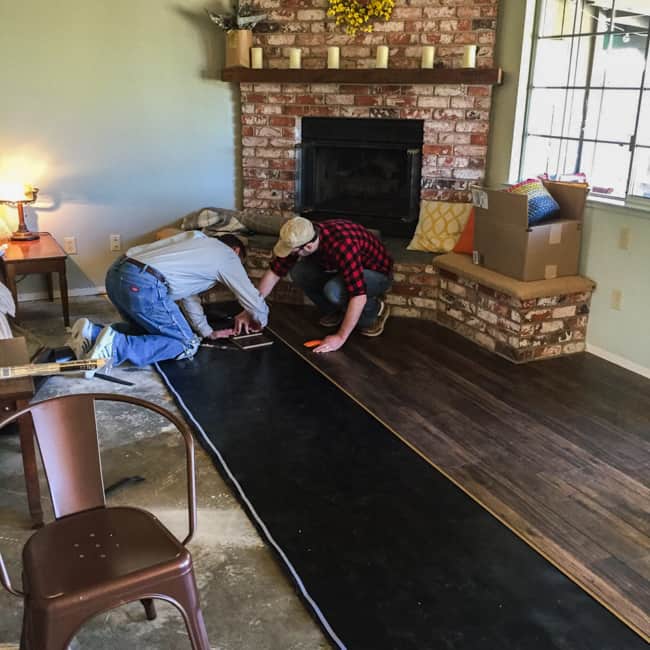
x,y
312,344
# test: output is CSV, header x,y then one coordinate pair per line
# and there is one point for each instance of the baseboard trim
x,y
72,293
619,361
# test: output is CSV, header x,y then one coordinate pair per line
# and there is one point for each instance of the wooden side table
x,y
42,255
14,395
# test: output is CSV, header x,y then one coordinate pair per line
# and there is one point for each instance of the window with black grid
x,y
588,100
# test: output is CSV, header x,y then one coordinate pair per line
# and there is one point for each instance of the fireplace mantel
x,y
393,76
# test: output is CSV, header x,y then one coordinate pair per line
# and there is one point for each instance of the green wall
x,y
624,333
621,336
121,102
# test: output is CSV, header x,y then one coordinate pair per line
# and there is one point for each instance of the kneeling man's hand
x,y
221,334
330,343
245,323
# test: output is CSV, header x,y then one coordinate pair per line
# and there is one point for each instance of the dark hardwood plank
x,y
558,450
622,573
614,490
641,474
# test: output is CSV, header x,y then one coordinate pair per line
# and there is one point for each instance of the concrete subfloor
x,y
247,601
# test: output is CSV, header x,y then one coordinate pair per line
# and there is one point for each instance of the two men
x,y
144,286
342,268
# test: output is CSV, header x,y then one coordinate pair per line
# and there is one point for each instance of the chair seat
x,y
99,550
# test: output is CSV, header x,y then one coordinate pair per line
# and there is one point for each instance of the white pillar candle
x,y
382,56
294,58
256,58
333,57
428,54
469,56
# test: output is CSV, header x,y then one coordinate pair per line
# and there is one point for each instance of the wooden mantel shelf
x,y
467,76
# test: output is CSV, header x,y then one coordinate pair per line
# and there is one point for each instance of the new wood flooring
x,y
558,450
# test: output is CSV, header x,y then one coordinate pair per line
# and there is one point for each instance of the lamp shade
x,y
12,192
18,194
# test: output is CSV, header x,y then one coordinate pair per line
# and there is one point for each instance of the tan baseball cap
x,y
296,232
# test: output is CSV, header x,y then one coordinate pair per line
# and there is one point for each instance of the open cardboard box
x,y
507,244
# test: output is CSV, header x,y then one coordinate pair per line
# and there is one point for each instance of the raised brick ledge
x,y
462,265
521,321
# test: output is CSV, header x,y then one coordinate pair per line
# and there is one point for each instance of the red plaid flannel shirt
x,y
345,247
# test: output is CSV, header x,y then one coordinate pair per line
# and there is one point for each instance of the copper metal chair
x,y
93,558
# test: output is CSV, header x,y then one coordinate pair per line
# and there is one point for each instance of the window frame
x,y
531,38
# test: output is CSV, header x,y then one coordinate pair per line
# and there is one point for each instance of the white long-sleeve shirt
x,y
192,263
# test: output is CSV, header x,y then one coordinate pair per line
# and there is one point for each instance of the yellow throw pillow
x,y
440,226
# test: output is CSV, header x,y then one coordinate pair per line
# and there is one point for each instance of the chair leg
x,y
149,608
196,629
185,595
24,643
43,629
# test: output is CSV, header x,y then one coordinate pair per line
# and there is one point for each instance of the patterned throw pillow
x,y
439,226
541,205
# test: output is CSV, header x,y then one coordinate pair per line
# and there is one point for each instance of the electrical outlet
x,y
624,238
616,299
116,243
70,245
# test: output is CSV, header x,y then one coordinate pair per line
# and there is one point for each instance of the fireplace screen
x,y
366,170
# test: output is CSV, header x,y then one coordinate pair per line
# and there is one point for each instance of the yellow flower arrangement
x,y
358,15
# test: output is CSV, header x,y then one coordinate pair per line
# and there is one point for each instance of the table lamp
x,y
17,197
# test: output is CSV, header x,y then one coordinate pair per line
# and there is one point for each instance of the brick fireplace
x,y
451,105
455,115
452,108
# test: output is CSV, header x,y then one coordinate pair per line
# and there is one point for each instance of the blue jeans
x,y
327,290
154,328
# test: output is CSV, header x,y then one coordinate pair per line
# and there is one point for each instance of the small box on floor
x,y
507,244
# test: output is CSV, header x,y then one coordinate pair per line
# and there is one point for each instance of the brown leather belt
x,y
145,267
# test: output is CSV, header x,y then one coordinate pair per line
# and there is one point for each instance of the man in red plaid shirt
x,y
343,269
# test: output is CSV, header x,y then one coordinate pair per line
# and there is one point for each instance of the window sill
x,y
639,210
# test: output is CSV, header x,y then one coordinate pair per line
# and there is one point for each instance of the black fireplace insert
x,y
366,170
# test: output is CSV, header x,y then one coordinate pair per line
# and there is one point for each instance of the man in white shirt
x,y
144,286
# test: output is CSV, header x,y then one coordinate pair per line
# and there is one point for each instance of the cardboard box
x,y
504,242
238,48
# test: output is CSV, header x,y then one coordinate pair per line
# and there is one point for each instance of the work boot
x,y
378,326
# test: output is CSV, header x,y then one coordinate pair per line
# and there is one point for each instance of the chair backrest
x,y
66,432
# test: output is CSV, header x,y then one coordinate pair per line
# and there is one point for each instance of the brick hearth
x,y
518,329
